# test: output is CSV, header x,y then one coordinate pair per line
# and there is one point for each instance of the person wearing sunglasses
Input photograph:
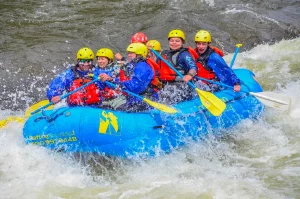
x,y
76,76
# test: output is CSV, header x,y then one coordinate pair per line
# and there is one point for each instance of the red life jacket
x,y
165,72
205,71
108,93
123,77
218,51
155,82
86,96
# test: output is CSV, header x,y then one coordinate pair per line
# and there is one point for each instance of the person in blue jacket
x,y
76,76
176,88
136,76
212,66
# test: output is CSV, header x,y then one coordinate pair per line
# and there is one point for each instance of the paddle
x,y
274,100
64,96
4,122
40,105
156,105
270,99
213,104
235,54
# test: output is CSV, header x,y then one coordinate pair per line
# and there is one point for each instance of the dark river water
x,y
38,39
255,159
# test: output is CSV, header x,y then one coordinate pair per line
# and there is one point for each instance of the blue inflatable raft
x,y
116,133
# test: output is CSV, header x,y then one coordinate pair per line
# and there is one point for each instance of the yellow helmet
x,y
154,44
203,36
176,33
138,48
85,53
105,52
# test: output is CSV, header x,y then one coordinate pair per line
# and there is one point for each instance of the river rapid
x,y
255,159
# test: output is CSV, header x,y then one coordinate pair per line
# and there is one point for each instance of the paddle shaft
x,y
156,105
251,93
126,91
65,95
211,102
235,54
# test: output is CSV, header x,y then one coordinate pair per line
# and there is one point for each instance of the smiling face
x,y
175,43
201,47
85,65
102,61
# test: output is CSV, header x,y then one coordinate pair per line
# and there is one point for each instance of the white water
x,y
257,159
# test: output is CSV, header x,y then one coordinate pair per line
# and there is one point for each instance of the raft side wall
x,y
86,129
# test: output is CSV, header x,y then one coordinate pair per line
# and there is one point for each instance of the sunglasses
x,y
85,60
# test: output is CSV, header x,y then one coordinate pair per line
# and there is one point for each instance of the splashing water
x,y
255,159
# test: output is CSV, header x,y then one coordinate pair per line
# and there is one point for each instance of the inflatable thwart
x,y
116,133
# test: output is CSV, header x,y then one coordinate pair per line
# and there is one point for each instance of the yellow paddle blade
x,y
4,122
36,106
32,108
161,107
13,118
211,102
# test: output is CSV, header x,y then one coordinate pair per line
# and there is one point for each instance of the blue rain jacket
x,y
141,77
186,62
224,73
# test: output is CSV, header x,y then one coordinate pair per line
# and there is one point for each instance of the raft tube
x,y
123,134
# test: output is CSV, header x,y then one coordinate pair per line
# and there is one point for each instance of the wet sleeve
x,y
101,85
140,80
60,84
224,73
187,62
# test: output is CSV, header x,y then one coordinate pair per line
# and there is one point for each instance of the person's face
x,y
201,47
149,47
102,61
131,56
175,43
85,64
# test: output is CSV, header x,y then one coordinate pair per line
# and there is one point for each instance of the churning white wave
x,y
255,159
